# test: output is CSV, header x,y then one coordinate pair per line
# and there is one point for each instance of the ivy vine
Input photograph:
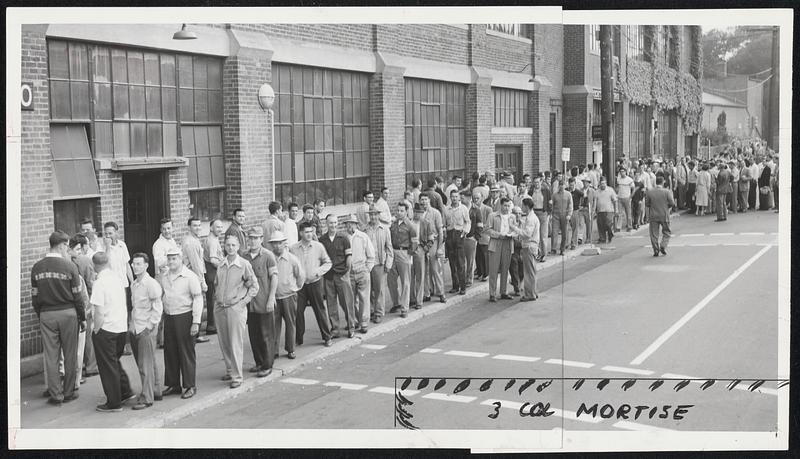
x,y
696,59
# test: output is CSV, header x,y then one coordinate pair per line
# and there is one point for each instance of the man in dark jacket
x,y
659,200
723,189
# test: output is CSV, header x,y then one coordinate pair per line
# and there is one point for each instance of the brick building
x,y
129,125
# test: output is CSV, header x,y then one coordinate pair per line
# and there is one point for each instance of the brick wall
x,y
355,36
437,42
576,129
387,136
523,140
36,180
111,199
179,200
246,135
507,54
574,54
479,150
548,48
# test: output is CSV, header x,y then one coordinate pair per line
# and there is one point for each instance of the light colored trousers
x,y
625,209
231,325
144,352
377,278
400,279
360,281
529,265
434,281
59,331
499,263
544,231
470,245
418,276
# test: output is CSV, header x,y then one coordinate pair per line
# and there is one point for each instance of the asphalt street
x,y
620,322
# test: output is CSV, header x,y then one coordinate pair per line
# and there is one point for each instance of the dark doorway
x,y
508,158
144,204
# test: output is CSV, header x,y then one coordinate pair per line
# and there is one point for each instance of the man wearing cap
x,y
290,280
404,244
316,263
542,206
361,263
183,310
457,223
236,285
338,288
381,239
434,284
482,250
192,249
499,228
261,310
419,256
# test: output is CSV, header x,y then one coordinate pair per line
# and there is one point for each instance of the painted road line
x,y
466,353
344,385
572,417
721,234
518,358
702,245
503,403
634,371
774,234
430,350
691,235
300,381
449,397
390,390
628,425
569,363
737,244
674,376
752,234
376,347
696,309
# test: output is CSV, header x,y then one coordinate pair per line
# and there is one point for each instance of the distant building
x,y
743,90
737,117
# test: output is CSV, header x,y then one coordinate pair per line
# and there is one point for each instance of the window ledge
x,y
512,130
508,36
140,163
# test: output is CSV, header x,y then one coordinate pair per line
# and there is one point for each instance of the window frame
x,y
594,38
510,107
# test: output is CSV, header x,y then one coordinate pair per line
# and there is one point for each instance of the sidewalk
x,y
211,391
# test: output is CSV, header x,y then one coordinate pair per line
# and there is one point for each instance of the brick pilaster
x,y
387,136
111,199
479,149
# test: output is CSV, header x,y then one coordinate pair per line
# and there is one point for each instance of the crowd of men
x,y
92,296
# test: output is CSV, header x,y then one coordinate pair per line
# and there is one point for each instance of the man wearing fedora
x,y
290,279
361,262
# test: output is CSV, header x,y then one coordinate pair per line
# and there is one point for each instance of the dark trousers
x,y
211,276
286,311
455,255
775,193
722,209
481,260
60,335
605,222
108,349
690,197
261,329
659,230
516,269
179,356
751,198
312,293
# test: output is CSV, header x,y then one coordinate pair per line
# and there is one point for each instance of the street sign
x,y
565,155
597,151
597,132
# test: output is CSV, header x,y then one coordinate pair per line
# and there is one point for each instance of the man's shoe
x,y
291,355
141,406
277,355
254,369
158,397
335,334
663,251
351,333
189,393
363,329
484,278
417,306
83,380
55,401
453,290
89,374
264,373
505,297
580,241
171,391
655,254
128,397
426,299
328,343
561,252
211,331
516,293
378,319
462,292
71,397
46,393
226,378
201,339
442,299
104,408
236,384
403,315
395,309
492,299
572,247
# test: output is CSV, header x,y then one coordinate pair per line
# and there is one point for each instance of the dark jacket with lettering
x,y
56,285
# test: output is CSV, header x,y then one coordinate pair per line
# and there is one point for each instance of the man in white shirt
x,y
457,224
382,204
95,243
624,192
110,327
164,242
529,235
454,185
117,251
362,261
290,223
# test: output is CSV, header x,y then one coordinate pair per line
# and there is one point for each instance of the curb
x,y
250,384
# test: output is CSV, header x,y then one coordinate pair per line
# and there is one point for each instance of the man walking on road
x,y
659,200
723,189
605,207
624,193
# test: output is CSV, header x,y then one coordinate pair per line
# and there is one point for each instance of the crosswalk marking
x,y
691,235
347,386
300,381
634,371
518,358
721,234
752,234
391,391
376,347
628,425
466,353
449,397
569,363
430,350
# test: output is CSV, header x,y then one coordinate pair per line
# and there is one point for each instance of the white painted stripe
x,y
518,358
466,353
691,235
572,417
737,244
376,347
449,397
300,381
628,425
697,308
344,385
569,363
390,390
430,350
752,234
702,245
634,237
674,376
634,371
721,234
503,403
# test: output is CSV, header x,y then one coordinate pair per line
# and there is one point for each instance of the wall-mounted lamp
x,y
184,34
266,99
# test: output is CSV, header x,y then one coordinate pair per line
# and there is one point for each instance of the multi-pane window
x,y
553,120
594,38
69,214
510,107
141,103
518,30
666,133
637,131
321,134
434,124
634,42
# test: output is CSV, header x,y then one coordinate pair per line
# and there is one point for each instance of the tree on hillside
x,y
746,51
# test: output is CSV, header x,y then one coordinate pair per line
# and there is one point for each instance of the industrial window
x,y
510,107
207,204
594,38
68,214
72,162
666,135
321,134
553,120
634,42
434,125
517,30
202,146
637,131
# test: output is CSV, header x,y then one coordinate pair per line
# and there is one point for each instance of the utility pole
x,y
607,102
774,98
